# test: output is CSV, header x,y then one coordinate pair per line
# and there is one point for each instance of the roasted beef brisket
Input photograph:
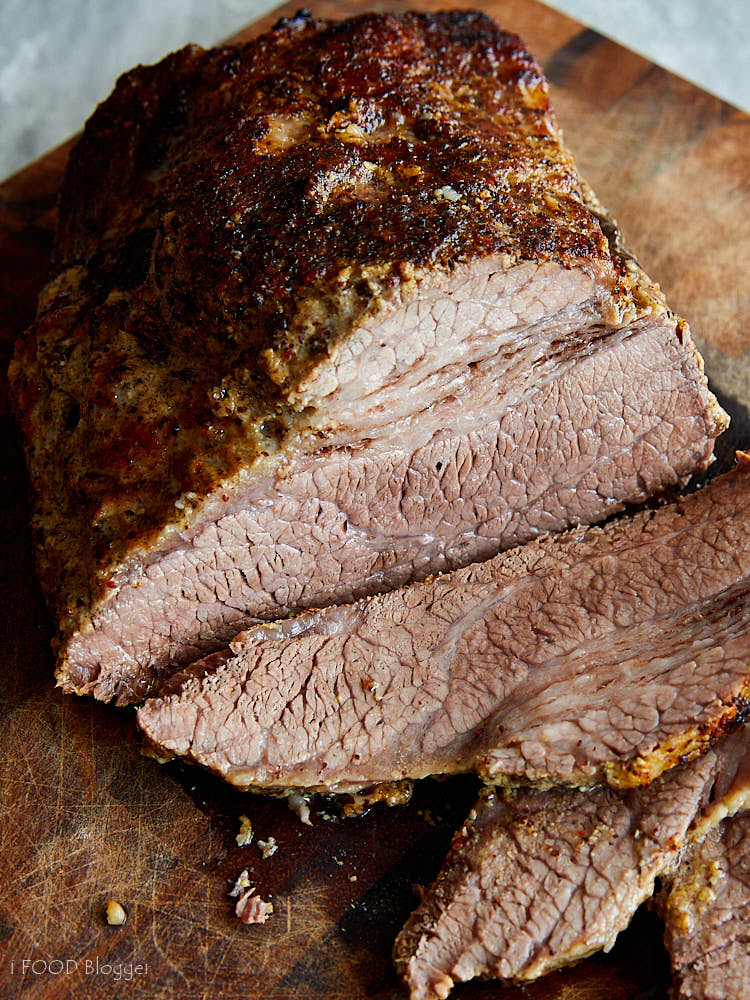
x,y
328,312
603,654
706,911
538,879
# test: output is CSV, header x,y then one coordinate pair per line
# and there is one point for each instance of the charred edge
x,y
641,769
297,22
683,749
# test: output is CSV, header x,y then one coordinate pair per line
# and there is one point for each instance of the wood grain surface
x,y
86,818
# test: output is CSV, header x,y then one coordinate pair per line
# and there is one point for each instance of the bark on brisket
x,y
265,254
608,653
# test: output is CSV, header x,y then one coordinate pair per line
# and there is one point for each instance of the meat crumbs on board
x,y
245,836
249,908
115,913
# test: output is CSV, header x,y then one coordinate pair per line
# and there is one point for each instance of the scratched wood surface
x,y
85,817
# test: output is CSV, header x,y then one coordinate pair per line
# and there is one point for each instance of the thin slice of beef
x,y
607,653
328,312
706,911
539,879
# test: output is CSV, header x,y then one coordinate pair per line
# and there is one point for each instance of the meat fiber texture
x,y
605,654
539,879
328,312
706,911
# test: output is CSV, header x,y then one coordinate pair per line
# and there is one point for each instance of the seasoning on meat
x,y
328,312
538,879
706,911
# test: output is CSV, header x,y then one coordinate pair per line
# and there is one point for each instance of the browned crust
x,y
642,769
210,256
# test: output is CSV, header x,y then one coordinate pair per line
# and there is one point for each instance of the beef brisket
x,y
329,311
539,879
606,653
706,910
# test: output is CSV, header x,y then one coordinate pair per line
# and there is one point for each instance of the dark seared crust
x,y
227,220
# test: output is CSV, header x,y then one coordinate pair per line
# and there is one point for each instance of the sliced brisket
x,y
607,653
706,910
539,879
328,312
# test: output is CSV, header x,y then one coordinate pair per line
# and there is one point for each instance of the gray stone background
x,y
58,58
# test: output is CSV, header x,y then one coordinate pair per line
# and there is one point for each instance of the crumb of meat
x,y
298,804
245,836
394,793
242,883
115,913
251,909
267,847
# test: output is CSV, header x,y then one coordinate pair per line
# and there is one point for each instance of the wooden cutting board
x,y
85,817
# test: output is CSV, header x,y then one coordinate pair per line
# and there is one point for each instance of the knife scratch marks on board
x,y
140,835
56,862
311,918
19,831
20,743
207,936
228,950
209,893
49,882
157,911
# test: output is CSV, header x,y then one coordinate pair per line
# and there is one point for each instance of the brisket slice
x,y
538,879
328,312
706,911
604,654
